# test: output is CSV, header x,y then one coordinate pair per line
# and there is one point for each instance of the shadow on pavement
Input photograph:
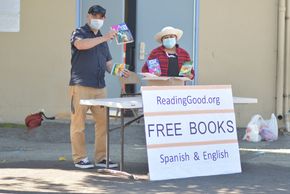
x,y
62,179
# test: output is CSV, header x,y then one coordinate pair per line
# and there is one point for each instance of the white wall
x,y
238,46
35,62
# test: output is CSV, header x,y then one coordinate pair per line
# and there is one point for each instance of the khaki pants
x,y
78,117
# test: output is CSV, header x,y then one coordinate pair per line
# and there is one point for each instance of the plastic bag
x,y
269,129
253,129
259,129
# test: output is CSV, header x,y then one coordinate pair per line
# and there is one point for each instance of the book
x,y
186,68
118,69
154,66
124,34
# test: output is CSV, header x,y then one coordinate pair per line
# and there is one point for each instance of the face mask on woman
x,y
96,23
169,42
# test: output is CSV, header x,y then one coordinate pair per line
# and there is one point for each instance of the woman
x,y
169,55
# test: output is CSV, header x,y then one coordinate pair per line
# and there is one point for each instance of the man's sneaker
x,y
84,163
103,164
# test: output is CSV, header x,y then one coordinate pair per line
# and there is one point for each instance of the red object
x,y
34,120
124,60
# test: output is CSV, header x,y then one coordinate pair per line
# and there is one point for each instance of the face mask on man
x,y
169,42
96,23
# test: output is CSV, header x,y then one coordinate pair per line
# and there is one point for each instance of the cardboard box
x,y
165,81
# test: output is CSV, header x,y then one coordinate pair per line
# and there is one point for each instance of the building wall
x,y
238,46
35,62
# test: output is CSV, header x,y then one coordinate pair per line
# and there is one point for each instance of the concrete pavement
x,y
40,162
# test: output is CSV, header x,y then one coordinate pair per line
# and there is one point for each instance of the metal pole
x,y
287,68
108,137
78,13
280,61
195,39
122,139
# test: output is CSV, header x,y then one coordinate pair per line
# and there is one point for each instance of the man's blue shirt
x,y
88,67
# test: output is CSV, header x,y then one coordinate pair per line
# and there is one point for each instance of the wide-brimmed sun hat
x,y
166,31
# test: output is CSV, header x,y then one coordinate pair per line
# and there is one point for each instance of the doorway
x,y
145,18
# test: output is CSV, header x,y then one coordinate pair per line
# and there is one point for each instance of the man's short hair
x,y
97,9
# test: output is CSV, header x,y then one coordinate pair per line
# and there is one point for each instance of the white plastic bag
x,y
269,129
259,129
253,129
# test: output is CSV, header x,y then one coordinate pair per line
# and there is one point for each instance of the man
x,y
90,59
170,55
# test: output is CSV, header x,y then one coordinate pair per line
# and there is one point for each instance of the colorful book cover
x,y
154,66
185,68
118,69
124,34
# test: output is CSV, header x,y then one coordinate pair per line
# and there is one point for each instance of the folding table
x,y
120,103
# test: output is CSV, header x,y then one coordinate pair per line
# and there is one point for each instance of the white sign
x,y
190,131
9,15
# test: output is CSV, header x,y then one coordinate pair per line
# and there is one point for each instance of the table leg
x,y
111,171
122,140
108,138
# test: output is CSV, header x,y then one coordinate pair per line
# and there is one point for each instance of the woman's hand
x,y
157,73
190,76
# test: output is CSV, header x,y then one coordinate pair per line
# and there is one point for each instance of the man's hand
x,y
126,73
110,35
